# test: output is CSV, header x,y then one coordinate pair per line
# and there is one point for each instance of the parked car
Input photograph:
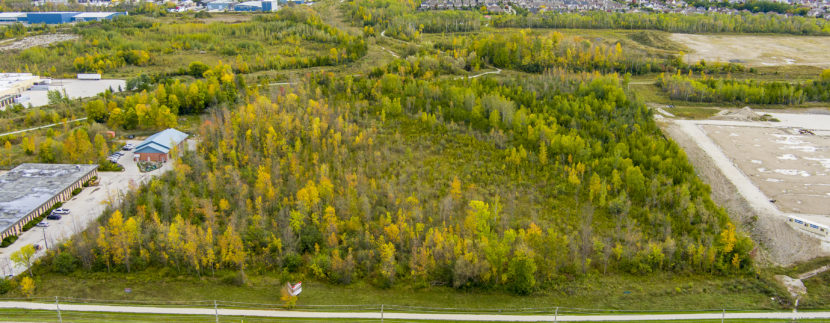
x,y
53,216
43,224
128,147
60,211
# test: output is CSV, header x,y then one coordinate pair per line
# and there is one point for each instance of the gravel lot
x,y
757,50
788,167
734,189
74,89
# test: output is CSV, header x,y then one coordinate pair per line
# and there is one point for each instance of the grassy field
x,y
659,291
18,315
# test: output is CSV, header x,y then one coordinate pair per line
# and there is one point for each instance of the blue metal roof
x,y
162,141
152,147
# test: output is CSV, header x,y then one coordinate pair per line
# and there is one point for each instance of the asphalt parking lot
x,y
85,208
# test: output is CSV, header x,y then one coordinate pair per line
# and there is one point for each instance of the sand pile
x,y
745,114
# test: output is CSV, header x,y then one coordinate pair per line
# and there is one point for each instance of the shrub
x,y
76,191
7,242
520,273
235,279
197,69
292,262
64,263
27,287
109,167
5,285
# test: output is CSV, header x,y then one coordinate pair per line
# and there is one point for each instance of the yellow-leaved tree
x,y
27,287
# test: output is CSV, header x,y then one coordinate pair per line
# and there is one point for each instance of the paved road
x,y
414,316
85,209
41,127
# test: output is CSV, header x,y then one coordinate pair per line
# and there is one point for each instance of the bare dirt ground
x,y
778,242
788,167
757,50
40,40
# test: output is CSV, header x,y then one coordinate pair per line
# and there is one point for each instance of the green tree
x,y
521,272
24,257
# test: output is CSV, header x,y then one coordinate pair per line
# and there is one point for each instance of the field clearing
x,y
790,168
757,50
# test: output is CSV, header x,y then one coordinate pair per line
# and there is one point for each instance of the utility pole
x,y
45,243
58,306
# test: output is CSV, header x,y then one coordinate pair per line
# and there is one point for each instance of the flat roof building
x,y
50,18
29,190
12,17
219,5
96,16
248,6
12,84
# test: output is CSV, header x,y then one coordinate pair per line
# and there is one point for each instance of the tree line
x,y
711,89
109,62
400,20
536,52
671,22
159,107
754,6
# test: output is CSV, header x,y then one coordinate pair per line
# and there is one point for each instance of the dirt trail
x,y
814,272
778,242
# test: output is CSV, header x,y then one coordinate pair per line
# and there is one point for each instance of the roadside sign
x,y
295,289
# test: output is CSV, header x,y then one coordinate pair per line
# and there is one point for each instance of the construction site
x,y
779,166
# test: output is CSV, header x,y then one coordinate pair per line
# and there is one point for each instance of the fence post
x,y
723,316
58,307
556,314
381,313
216,310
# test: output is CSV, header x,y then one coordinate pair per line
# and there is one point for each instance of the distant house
x,y
157,147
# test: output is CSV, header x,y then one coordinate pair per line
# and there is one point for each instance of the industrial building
x,y
228,5
52,18
248,6
219,5
96,16
12,17
12,85
29,190
157,147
